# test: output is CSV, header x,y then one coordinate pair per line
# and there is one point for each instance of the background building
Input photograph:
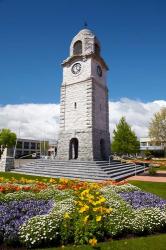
x,y
35,148
26,147
156,148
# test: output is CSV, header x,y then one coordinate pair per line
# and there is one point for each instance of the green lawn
x,y
158,188
156,242
163,168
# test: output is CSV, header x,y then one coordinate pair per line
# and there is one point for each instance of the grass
x,y
141,243
158,188
9,175
162,168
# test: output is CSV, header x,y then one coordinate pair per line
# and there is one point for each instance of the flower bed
x,y
15,213
138,199
61,211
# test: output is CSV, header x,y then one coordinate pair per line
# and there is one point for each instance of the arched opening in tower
x,y
77,48
73,149
102,149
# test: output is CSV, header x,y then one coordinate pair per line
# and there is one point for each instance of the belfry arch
x,y
77,48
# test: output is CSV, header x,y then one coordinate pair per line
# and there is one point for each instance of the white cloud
x,y
138,114
36,121
40,121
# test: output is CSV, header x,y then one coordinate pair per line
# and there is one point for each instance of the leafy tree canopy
x,y
157,128
7,138
124,139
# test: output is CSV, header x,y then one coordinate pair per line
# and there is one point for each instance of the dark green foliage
x,y
124,139
152,171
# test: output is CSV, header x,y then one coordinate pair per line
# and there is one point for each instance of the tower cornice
x,y
71,59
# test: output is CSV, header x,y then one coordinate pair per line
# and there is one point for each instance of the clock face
x,y
99,71
76,68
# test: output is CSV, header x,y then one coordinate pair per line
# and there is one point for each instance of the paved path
x,y
160,177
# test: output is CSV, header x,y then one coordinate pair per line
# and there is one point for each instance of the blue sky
x,y
35,36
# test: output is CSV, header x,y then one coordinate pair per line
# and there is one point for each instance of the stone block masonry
x,y
84,114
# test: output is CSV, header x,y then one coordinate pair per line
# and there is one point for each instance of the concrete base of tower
x,y
84,145
101,145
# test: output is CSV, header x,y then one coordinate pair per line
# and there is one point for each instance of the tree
x,y
157,128
124,139
7,139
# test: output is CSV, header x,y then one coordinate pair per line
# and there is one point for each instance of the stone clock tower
x,y
84,114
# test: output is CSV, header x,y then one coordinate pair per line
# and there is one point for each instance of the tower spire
x,y
85,24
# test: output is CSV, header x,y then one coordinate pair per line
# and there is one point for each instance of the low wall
x,y
6,162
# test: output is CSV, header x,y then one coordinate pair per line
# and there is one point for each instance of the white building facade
x,y
84,114
147,144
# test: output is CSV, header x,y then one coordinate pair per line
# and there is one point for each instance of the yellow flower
x,y
94,203
95,209
98,218
93,242
86,219
66,216
85,192
102,199
108,210
63,180
52,180
81,204
94,186
84,208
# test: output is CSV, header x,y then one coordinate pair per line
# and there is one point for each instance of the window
x,y
26,145
77,48
38,145
33,145
75,105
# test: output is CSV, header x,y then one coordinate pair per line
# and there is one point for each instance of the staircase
x,y
84,170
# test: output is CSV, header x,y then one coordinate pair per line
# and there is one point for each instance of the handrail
x,y
135,169
110,159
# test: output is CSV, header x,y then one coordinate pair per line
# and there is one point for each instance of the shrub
x,y
152,171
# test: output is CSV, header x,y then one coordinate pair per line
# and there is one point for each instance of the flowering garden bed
x,y
57,212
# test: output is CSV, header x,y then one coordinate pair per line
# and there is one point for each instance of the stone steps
x,y
84,170
63,171
87,169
